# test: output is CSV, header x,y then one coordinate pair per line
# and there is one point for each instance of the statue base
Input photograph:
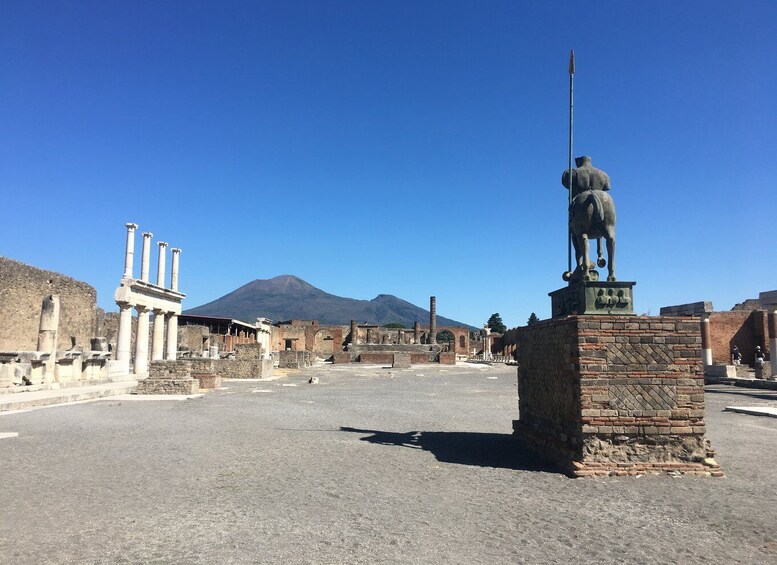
x,y
606,298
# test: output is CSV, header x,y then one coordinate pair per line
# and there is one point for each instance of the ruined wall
x,y
191,338
22,290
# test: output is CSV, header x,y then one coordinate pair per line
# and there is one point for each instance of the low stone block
x,y
207,380
447,358
401,361
168,386
340,358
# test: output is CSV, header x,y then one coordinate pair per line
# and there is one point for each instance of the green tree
x,y
533,319
496,324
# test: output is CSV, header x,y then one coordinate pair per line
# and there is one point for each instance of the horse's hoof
x,y
611,278
567,276
601,262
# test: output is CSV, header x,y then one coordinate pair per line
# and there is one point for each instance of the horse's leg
x,y
586,258
611,256
578,245
599,258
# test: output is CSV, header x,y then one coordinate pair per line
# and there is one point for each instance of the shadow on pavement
x,y
465,448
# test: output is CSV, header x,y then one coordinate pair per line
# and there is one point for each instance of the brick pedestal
x,y
615,395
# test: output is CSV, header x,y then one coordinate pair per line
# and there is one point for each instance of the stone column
x,y
174,274
417,332
145,256
354,332
172,335
124,336
141,341
49,325
706,340
158,337
486,342
160,269
369,335
432,319
401,337
130,252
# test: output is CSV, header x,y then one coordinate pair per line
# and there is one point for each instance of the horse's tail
x,y
598,208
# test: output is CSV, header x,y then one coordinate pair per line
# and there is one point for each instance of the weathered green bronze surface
x,y
594,297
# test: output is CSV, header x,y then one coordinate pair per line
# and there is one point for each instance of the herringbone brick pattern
x,y
643,397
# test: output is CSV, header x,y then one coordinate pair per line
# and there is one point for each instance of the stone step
x,y
32,399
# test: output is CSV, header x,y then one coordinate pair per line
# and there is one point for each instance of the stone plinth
x,y
616,395
207,380
593,297
401,361
168,377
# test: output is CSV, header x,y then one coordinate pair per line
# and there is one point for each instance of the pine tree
x,y
533,319
496,324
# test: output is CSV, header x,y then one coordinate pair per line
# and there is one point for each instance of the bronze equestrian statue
x,y
591,215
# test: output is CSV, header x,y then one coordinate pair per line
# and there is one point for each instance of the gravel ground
x,y
371,465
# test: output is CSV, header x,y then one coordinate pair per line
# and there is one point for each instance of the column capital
x,y
131,226
147,234
161,243
142,309
175,250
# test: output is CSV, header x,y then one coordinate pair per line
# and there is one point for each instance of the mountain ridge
x,y
288,297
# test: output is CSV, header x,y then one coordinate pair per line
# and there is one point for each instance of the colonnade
x,y
147,298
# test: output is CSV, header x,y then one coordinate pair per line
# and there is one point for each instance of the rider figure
x,y
585,177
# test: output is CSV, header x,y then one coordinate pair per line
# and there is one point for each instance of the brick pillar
x,y
432,319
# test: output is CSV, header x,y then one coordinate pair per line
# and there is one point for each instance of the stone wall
x,y
295,359
614,395
22,290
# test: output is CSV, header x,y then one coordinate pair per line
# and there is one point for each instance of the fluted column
x,y
158,337
129,254
174,271
124,336
145,257
141,341
172,335
160,268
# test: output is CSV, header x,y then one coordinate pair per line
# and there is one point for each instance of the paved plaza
x,y
370,465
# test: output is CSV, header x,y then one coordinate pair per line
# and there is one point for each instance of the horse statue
x,y
591,215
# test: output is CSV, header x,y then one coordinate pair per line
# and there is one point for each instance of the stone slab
x,y
447,358
38,398
690,309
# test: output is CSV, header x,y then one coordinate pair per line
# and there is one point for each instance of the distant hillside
x,y
290,298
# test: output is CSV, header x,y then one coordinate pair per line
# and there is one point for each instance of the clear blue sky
x,y
408,148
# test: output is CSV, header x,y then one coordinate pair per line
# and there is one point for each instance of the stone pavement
x,y
754,410
370,465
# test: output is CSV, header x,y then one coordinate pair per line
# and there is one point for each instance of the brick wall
x,y
22,290
745,329
615,395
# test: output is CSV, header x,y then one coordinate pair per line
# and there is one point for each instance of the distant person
x,y
759,355
736,356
